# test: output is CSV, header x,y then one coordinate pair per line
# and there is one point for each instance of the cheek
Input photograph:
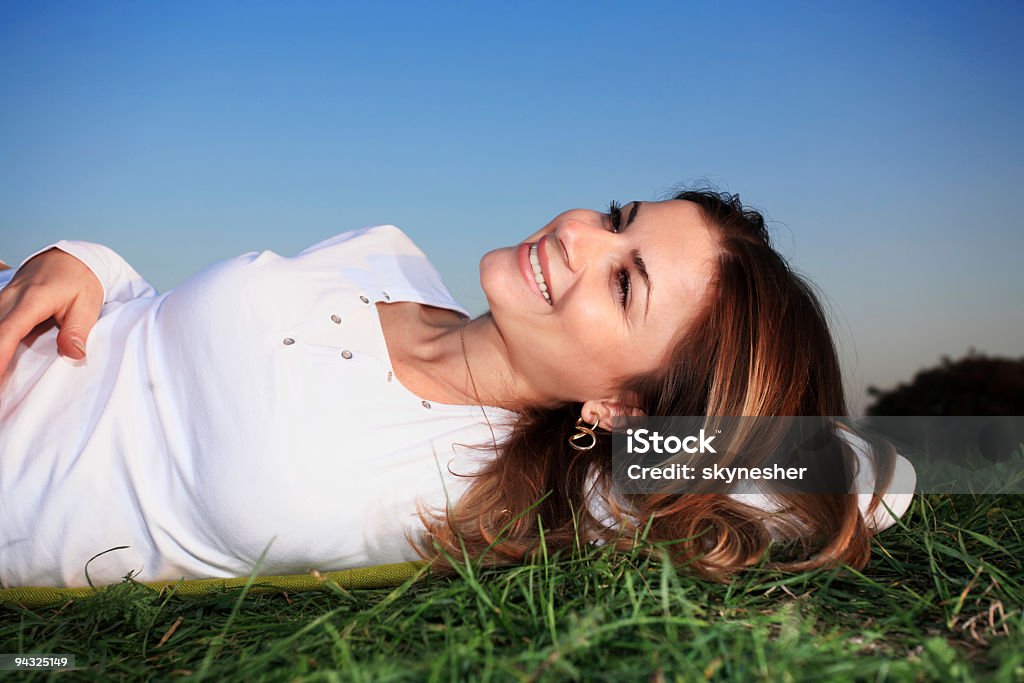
x,y
593,324
590,342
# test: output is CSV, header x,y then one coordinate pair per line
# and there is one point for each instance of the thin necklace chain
x,y
462,337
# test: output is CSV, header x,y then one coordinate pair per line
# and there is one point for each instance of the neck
x,y
488,380
487,365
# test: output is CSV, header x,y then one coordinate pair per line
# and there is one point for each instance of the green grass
x,y
941,600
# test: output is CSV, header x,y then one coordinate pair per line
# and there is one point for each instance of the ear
x,y
609,412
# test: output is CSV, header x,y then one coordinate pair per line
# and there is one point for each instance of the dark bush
x,y
974,385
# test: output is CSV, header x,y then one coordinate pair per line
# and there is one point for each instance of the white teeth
x,y
538,274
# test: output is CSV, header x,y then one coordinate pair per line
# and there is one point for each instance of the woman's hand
x,y
52,285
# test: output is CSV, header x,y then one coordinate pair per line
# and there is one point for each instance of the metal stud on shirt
x,y
390,375
336,319
387,296
425,404
288,341
346,354
364,299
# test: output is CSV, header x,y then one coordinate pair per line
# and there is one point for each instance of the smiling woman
x,y
683,308
339,409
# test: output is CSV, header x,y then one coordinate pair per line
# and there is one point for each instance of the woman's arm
x,y
120,282
68,283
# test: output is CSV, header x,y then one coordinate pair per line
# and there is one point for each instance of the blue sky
x,y
883,140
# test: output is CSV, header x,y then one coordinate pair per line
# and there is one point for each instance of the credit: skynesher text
x,y
728,474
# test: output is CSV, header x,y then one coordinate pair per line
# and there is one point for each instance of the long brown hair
x,y
761,347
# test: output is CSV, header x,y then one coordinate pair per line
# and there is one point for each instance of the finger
x,y
15,326
38,331
76,325
8,298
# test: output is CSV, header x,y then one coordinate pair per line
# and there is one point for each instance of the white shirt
x,y
251,410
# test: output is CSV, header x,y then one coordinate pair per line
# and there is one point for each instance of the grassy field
x,y
941,600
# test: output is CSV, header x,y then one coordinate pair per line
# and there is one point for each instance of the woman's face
x,y
605,321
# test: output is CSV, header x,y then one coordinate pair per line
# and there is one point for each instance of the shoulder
x,y
383,263
381,239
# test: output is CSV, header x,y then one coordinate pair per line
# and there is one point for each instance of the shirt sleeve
x,y
895,500
119,280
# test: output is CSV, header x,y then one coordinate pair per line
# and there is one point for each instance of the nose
x,y
579,237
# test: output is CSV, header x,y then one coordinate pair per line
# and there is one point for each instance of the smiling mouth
x,y
538,272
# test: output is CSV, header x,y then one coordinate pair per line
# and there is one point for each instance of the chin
x,y
497,277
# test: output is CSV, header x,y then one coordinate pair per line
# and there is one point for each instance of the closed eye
x,y
623,287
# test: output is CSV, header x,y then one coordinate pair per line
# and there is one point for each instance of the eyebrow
x,y
639,262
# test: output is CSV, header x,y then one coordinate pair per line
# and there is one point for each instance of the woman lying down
x,y
340,409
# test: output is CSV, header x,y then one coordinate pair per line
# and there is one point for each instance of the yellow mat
x,y
381,576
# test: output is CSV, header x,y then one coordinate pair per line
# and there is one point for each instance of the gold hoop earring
x,y
583,432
